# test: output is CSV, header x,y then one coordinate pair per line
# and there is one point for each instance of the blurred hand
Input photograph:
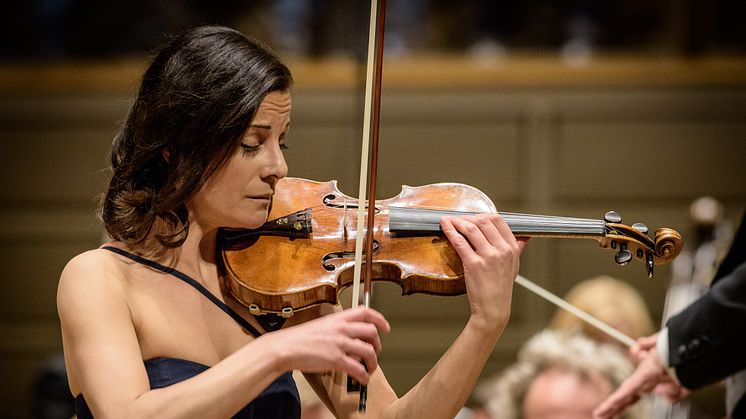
x,y
650,376
644,344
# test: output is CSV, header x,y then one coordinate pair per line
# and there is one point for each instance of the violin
x,y
304,255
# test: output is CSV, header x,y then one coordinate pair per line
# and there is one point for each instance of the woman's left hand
x,y
490,256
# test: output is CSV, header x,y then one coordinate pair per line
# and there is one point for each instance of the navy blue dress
x,y
280,400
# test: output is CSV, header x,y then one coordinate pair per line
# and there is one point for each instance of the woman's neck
x,y
195,256
197,253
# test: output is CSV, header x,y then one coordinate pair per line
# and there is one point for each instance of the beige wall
x,y
644,147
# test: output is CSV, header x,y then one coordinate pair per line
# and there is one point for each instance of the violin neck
x,y
414,221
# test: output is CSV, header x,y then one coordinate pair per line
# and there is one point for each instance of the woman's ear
x,y
166,154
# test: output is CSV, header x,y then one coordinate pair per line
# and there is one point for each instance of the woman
x,y
144,321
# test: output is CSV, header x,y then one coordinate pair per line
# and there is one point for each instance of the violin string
x,y
321,208
405,218
428,219
561,303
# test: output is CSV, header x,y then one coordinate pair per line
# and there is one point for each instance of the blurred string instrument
x,y
693,271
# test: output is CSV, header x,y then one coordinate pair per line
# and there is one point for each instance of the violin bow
x,y
369,162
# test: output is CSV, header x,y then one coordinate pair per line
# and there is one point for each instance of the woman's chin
x,y
254,222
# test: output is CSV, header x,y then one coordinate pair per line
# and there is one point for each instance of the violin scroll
x,y
633,242
668,243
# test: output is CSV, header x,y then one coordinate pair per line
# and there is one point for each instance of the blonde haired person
x,y
610,300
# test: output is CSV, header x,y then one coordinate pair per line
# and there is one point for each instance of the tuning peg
x,y
612,217
642,228
623,256
649,264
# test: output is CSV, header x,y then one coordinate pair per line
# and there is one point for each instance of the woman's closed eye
x,y
247,148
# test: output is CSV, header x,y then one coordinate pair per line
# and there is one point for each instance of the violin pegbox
x,y
634,243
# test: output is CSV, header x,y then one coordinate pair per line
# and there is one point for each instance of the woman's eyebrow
x,y
262,126
266,126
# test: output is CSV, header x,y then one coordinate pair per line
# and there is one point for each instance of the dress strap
x,y
184,277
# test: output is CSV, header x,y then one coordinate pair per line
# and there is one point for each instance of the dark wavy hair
x,y
196,99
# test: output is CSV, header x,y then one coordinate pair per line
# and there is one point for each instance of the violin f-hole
x,y
342,255
329,201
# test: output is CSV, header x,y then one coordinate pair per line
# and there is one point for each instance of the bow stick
x,y
369,161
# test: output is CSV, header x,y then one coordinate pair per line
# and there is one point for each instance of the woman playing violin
x,y
148,327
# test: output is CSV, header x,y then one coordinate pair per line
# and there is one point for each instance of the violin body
x,y
314,266
305,254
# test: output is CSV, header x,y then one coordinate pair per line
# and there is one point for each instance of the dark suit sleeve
x,y
707,341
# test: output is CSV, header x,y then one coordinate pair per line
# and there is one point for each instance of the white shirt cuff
x,y
661,347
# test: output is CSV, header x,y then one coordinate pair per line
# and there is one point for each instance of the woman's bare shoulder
x,y
94,273
96,318
92,263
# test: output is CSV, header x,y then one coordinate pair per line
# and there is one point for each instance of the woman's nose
x,y
277,166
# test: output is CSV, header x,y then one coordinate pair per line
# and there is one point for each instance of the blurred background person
x,y
556,375
610,300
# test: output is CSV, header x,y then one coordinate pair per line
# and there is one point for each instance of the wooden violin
x,y
304,255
